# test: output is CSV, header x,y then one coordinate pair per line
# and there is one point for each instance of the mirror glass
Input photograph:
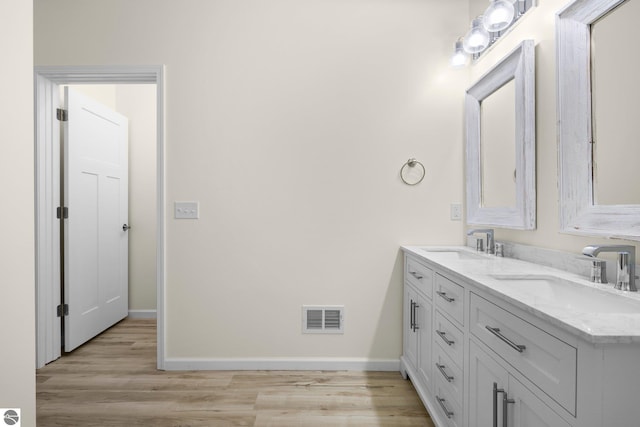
x,y
498,147
615,94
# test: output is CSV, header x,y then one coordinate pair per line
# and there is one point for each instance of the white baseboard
x,y
282,364
142,314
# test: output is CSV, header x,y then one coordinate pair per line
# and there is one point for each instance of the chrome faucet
x,y
489,233
626,263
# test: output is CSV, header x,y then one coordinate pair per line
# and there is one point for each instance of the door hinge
x,y
62,115
62,213
62,310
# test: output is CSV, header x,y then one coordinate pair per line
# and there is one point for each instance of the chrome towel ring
x,y
411,163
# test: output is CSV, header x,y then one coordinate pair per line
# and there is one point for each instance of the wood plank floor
x,y
112,381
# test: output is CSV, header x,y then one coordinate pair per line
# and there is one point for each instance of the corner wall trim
x,y
143,314
282,364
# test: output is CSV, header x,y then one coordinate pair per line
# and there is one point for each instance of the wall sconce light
x,y
477,38
486,29
460,57
498,15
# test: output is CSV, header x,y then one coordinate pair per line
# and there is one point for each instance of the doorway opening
x,y
48,81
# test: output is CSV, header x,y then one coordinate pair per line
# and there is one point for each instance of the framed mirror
x,y
597,116
500,149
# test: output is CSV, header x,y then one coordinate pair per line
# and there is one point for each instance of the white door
x,y
410,334
95,232
527,410
424,323
484,372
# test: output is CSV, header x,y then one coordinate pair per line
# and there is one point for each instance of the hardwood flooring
x,y
113,381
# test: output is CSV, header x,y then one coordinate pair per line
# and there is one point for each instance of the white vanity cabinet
x,y
418,319
433,349
493,392
541,357
461,336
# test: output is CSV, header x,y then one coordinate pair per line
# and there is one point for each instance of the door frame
x,y
47,191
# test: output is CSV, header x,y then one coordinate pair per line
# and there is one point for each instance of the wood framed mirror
x,y
500,148
597,116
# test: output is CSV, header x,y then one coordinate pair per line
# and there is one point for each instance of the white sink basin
x,y
570,295
454,254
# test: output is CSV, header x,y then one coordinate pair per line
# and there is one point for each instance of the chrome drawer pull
x,y
443,335
496,331
444,296
448,377
447,412
416,275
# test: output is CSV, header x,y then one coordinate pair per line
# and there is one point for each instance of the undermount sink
x,y
455,254
570,295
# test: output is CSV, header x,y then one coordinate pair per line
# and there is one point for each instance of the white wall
x,y
289,121
17,315
138,104
539,25
104,94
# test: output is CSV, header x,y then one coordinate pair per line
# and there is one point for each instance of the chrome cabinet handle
x,y
440,367
447,412
411,317
415,274
443,335
496,331
505,408
444,296
125,227
496,390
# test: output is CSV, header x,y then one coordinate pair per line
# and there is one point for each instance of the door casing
x,y
47,193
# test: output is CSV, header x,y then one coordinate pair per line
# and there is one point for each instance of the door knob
x,y
125,227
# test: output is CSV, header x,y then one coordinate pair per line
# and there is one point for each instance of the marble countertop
x,y
490,274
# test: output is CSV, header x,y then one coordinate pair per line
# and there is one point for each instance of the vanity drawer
x,y
449,338
450,298
450,374
447,404
419,276
544,359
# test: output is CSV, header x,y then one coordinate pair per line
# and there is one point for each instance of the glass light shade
x,y
498,15
477,38
459,58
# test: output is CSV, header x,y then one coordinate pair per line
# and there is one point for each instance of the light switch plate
x,y
186,210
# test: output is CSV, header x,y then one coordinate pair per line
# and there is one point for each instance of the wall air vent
x,y
328,319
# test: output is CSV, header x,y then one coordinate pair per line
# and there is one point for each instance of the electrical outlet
x,y
456,212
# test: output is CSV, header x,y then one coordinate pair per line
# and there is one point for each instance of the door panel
x,y
95,191
528,410
483,373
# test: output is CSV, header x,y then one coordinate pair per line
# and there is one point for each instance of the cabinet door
x,y
484,371
424,325
410,335
527,410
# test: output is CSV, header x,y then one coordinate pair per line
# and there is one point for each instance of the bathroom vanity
x,y
491,341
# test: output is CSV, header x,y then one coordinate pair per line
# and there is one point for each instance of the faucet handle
x,y
598,271
622,281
